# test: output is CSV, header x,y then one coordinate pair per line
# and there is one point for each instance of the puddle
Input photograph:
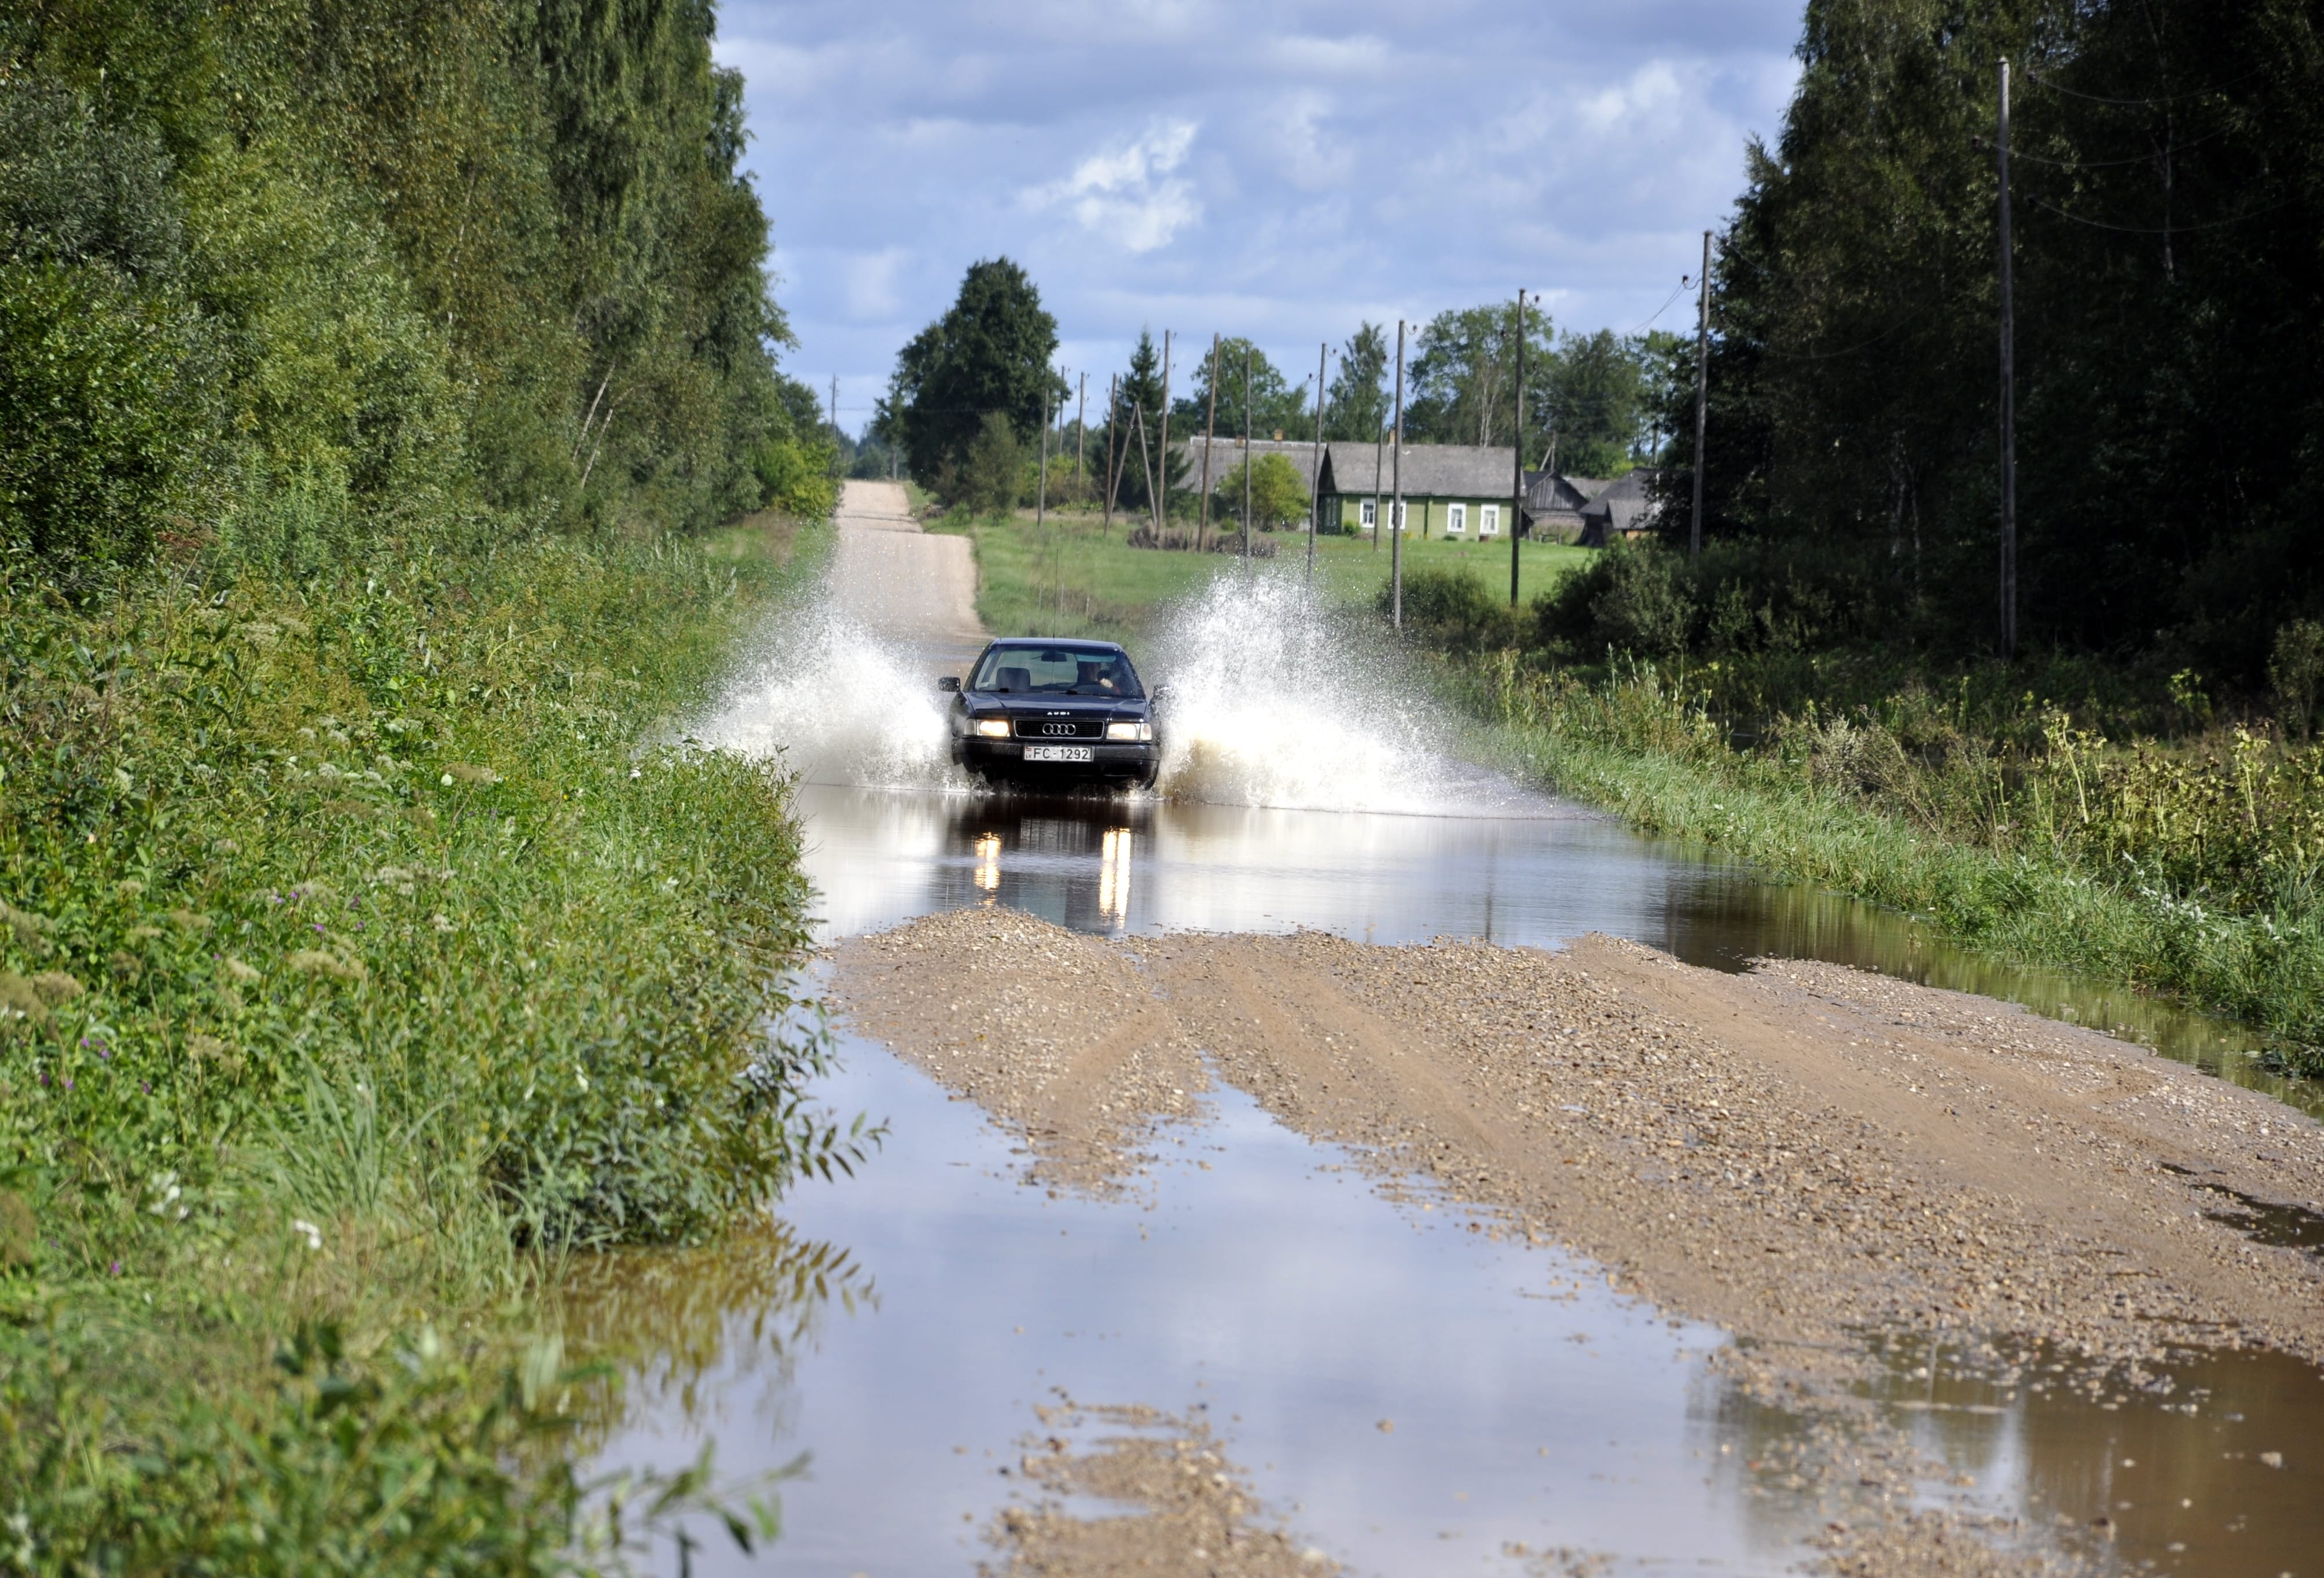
x,y
1520,871
2200,1463
2263,1222
1257,1286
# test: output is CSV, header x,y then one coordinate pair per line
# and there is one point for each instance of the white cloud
x,y
1132,195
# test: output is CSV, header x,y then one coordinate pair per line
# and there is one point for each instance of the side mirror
x,y
949,682
1159,692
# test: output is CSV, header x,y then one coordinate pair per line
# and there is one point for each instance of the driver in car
x,y
1098,677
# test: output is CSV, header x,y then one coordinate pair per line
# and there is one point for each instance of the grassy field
x,y
359,964
1071,576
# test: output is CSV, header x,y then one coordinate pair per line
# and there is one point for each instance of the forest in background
x,y
378,268
2167,188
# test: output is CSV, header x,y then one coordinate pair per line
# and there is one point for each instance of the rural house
x,y
1621,510
1554,504
1457,490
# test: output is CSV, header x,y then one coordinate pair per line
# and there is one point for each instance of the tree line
x,y
2166,195
378,263
973,392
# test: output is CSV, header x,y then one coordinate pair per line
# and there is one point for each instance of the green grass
x,y
362,954
2026,887
1071,576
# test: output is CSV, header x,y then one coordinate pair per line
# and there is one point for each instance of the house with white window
x,y
1460,492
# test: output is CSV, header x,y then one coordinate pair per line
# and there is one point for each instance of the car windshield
x,y
1055,672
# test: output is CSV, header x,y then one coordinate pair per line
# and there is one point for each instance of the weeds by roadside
x,y
357,961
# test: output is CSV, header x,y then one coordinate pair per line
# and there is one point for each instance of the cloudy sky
x,y
1277,169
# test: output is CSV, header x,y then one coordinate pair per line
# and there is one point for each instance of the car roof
x,y
1071,645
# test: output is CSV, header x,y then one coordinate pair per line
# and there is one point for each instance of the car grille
x,y
1060,728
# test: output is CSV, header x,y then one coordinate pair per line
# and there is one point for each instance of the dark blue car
x,y
1034,711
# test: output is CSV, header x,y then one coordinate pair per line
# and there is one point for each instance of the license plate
x,y
1058,753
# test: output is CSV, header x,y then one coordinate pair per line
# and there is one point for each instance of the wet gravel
x,y
1808,1155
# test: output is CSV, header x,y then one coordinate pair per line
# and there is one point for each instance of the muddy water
x,y
1506,867
1409,1391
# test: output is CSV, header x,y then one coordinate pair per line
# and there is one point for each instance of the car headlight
x,y
990,728
1129,731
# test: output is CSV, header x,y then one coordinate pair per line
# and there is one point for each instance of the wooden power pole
x,y
1081,429
2008,393
1248,351
1701,391
1112,470
1517,449
1315,482
1159,497
1209,440
1396,509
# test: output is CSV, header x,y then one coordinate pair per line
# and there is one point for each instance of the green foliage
x,y
1278,493
991,476
797,478
1453,609
2295,672
1629,599
1276,405
987,356
1463,375
1596,403
1359,404
1134,433
2164,333
499,255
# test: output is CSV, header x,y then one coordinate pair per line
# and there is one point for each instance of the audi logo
x,y
1057,729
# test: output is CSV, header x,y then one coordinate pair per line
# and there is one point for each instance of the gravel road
x,y
906,585
1803,1154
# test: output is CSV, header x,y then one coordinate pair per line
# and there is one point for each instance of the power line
x,y
2144,103
2017,157
2162,230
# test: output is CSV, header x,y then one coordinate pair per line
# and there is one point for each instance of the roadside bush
x,y
1629,598
1453,609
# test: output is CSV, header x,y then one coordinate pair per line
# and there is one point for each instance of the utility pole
x,y
1517,449
1315,483
1081,429
1247,354
1041,483
1396,510
1112,471
1160,497
1210,441
2008,393
1379,454
1701,391
834,418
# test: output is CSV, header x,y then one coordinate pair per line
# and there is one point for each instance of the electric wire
x,y
2161,229
2041,80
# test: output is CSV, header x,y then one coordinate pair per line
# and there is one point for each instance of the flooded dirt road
x,y
1130,1289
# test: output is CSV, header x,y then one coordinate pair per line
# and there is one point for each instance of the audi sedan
x,y
1055,713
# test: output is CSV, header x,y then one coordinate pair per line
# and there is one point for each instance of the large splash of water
x,y
840,704
1272,702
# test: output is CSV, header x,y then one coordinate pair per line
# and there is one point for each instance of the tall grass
x,y
370,936
2190,868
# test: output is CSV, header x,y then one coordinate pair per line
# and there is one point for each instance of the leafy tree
x,y
988,354
992,472
1278,493
1596,403
1359,405
1276,404
1137,400
1462,374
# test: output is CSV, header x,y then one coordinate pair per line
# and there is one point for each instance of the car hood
x,y
1020,706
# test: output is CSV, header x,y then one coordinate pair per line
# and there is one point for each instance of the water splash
x,y
841,704
1273,702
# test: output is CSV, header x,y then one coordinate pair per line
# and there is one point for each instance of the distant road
x,y
909,587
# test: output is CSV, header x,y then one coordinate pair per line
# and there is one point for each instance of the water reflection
x,y
2202,1463
1403,1390
1540,878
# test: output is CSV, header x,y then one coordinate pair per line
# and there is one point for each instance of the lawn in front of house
x,y
1071,575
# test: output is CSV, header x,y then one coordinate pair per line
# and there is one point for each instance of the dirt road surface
x,y
916,589
1804,1154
